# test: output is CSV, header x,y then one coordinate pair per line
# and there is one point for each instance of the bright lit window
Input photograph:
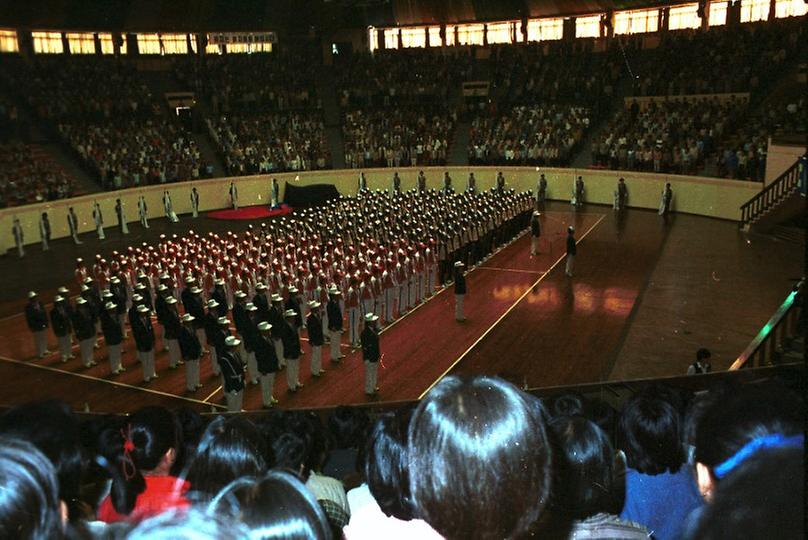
x,y
545,29
681,17
470,34
213,48
754,10
790,8
241,48
413,37
500,32
148,43
174,43
81,43
48,42
391,38
373,38
8,41
434,36
107,44
636,22
718,13
586,27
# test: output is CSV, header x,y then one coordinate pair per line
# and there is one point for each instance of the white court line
x,y
527,291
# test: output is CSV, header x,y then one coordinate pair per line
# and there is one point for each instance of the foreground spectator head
x,y
386,465
479,460
743,425
52,428
188,525
146,444
29,493
583,469
649,432
763,499
229,449
276,506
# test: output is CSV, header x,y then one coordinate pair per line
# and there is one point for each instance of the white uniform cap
x,y
31,294
196,290
264,326
212,303
459,264
188,317
370,317
292,289
162,287
110,305
223,320
81,300
314,304
171,300
62,290
260,286
142,309
59,299
290,313
277,298
232,341
250,307
240,294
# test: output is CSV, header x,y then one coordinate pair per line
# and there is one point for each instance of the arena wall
x,y
694,195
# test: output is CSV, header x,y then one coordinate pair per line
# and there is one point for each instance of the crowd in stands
x,y
251,83
673,136
476,458
271,142
743,58
401,77
527,135
401,136
135,152
26,178
108,117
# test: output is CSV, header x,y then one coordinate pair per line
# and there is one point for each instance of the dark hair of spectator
x,y
568,405
137,446
649,432
53,429
386,465
703,354
29,498
764,498
741,417
230,448
347,426
190,523
479,459
277,506
583,468
192,425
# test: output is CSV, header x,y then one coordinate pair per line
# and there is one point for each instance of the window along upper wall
x,y
81,42
9,42
587,27
545,29
682,17
636,22
48,42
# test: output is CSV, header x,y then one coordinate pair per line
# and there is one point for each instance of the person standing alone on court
x,y
535,234
37,321
572,250
459,290
370,353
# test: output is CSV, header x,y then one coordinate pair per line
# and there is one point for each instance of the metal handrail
x,y
765,343
783,186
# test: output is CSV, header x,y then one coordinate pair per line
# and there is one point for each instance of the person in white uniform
x,y
98,218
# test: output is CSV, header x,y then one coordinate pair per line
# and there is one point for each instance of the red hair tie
x,y
128,464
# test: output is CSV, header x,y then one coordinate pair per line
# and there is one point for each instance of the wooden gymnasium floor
x,y
645,295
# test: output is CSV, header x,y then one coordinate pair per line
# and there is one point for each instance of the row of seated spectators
x,y
271,142
672,136
135,152
29,177
744,157
251,83
400,136
398,77
556,72
739,58
108,117
545,134
476,458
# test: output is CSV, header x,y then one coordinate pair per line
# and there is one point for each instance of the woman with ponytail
x,y
140,454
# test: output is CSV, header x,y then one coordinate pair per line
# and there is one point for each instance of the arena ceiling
x,y
284,15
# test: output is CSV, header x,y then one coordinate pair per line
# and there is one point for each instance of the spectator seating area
x,y
265,113
672,136
28,175
107,116
528,135
397,137
476,458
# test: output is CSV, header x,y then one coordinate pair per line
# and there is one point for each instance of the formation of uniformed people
x,y
377,253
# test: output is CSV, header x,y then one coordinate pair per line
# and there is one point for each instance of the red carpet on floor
x,y
251,212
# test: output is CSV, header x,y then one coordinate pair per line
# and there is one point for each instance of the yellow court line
x,y
527,291
114,383
211,395
512,270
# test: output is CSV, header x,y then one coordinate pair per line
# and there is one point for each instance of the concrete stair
x,y
327,96
458,146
